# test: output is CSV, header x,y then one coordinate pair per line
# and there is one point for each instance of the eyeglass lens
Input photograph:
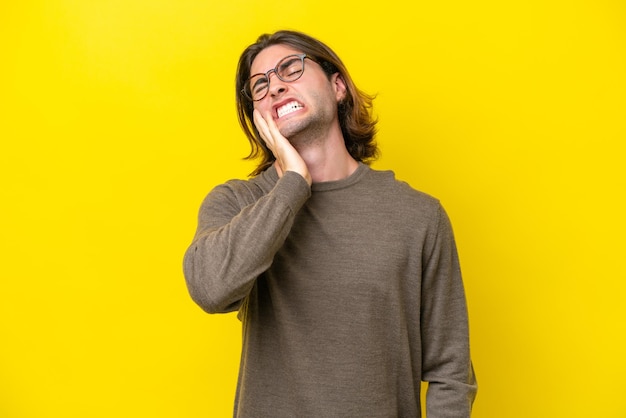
x,y
288,69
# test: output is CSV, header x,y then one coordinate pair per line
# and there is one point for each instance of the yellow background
x,y
117,117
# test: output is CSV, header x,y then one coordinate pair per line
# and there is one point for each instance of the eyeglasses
x,y
288,69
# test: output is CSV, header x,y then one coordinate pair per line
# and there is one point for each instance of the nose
x,y
276,85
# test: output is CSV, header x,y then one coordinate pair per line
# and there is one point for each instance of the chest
x,y
359,247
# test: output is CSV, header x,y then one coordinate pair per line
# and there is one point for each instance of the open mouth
x,y
288,108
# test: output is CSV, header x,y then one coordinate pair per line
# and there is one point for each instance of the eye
x,y
290,68
292,71
258,84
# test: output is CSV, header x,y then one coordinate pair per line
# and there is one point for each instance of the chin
x,y
292,129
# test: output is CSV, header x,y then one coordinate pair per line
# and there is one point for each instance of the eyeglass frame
x,y
275,71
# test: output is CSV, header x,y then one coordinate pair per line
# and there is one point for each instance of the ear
x,y
339,85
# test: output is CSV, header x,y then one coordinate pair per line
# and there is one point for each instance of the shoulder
x,y
419,214
386,183
244,192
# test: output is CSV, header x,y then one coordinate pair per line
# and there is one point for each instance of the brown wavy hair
x,y
354,110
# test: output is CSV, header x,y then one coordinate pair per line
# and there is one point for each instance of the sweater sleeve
x,y
233,245
446,362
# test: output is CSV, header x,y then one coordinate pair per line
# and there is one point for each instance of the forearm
x,y
231,250
447,365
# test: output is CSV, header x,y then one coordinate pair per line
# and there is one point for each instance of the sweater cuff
x,y
294,188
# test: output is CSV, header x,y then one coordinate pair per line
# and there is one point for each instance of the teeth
x,y
288,108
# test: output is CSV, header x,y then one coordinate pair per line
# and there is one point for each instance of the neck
x,y
328,159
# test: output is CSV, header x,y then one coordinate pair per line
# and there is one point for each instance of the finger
x,y
261,126
272,128
266,135
271,124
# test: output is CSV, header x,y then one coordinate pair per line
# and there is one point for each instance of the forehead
x,y
269,57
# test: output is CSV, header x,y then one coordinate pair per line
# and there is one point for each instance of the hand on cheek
x,y
287,157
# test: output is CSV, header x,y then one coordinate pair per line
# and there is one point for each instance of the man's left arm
x,y
446,362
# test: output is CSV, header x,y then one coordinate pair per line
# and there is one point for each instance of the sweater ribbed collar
x,y
325,186
343,183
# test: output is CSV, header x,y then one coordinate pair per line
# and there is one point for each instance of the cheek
x,y
262,105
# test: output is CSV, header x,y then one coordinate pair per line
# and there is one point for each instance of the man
x,y
346,281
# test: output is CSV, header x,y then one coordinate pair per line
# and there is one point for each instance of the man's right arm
x,y
234,245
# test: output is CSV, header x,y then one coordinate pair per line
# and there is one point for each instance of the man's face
x,y
306,107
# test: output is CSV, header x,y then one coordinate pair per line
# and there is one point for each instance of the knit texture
x,y
349,292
